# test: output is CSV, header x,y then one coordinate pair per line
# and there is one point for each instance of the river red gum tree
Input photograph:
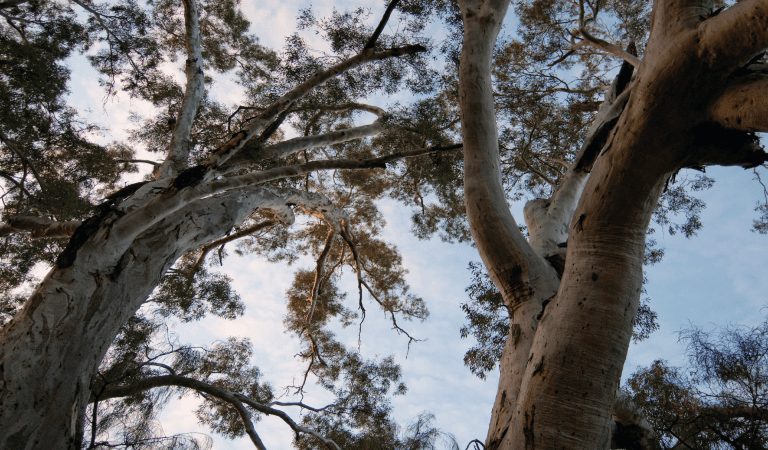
x,y
693,101
572,288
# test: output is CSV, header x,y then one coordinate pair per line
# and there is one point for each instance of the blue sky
x,y
710,280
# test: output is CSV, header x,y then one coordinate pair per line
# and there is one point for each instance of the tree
x,y
572,288
685,107
719,401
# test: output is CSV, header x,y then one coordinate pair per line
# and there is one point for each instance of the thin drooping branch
x,y
603,45
346,234
178,149
222,394
734,36
395,325
240,233
316,287
39,227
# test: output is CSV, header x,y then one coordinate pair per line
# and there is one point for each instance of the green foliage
x,y
719,401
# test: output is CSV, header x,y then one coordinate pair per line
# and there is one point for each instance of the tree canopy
x,y
296,170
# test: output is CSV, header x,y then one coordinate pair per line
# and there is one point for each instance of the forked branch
x,y
604,45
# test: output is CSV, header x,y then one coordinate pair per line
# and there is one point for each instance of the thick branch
x,y
734,36
178,149
227,396
286,148
40,227
743,105
312,166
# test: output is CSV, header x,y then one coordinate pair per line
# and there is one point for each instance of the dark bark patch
x,y
187,178
539,368
18,440
594,276
88,228
530,444
629,437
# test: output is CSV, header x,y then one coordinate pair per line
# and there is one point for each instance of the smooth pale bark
x,y
523,277
50,350
571,370
176,159
39,227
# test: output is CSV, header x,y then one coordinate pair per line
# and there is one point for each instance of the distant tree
x,y
719,401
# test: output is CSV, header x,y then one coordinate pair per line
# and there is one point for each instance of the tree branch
x,y
291,146
734,36
23,158
316,286
743,105
222,394
242,233
40,227
223,153
603,45
178,149
375,36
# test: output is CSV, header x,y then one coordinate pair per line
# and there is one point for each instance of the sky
x,y
710,280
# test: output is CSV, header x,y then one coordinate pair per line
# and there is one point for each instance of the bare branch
x,y
375,36
222,394
317,285
603,45
314,166
346,234
291,146
395,326
241,233
734,36
223,153
245,416
144,161
40,227
178,149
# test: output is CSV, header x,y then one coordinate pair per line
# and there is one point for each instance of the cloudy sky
x,y
713,279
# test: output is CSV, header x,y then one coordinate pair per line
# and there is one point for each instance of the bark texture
x,y
689,105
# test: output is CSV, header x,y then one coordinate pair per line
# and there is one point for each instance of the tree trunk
x,y
50,351
559,374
